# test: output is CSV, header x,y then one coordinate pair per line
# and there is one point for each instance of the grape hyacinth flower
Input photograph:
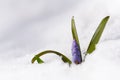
x,y
76,53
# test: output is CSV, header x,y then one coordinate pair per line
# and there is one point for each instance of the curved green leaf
x,y
96,37
36,57
74,31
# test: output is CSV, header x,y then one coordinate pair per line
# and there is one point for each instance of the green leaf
x,y
74,31
39,60
36,57
96,37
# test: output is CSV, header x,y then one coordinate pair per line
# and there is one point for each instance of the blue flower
x,y
76,53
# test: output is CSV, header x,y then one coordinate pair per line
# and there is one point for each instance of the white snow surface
x,y
28,27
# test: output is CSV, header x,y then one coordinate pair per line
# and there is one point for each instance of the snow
x,y
30,26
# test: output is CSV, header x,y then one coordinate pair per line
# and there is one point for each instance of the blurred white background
x,y
30,25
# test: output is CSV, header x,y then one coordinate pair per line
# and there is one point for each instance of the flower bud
x,y
76,53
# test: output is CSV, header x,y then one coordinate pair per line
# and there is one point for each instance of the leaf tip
x,y
72,17
107,17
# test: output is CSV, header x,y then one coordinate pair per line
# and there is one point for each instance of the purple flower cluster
x,y
76,53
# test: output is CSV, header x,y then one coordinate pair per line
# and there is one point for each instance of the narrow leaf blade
x,y
74,31
97,35
36,57
39,60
